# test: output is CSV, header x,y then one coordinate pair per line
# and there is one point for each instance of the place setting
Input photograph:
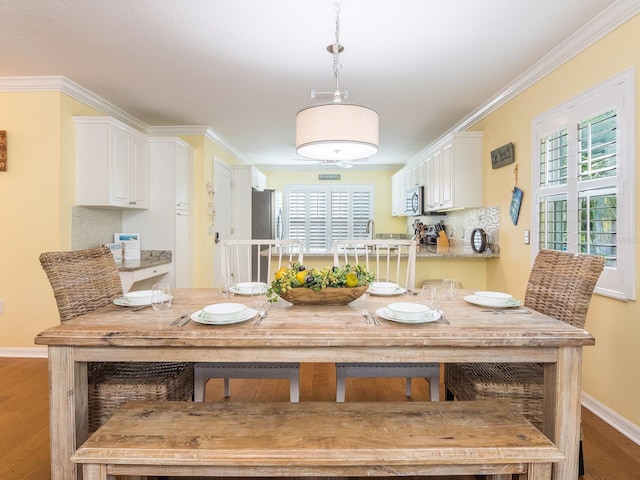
x,y
408,313
248,288
159,297
224,314
496,302
385,289
229,313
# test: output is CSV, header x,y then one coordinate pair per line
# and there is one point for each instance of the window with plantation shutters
x,y
320,214
584,179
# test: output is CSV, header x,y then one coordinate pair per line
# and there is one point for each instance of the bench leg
x,y
539,471
408,387
92,471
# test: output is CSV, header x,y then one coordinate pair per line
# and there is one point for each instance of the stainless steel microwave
x,y
415,201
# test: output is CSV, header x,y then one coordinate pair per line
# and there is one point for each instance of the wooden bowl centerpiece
x,y
328,286
324,296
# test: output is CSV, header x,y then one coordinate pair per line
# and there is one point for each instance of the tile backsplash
x,y
460,223
91,227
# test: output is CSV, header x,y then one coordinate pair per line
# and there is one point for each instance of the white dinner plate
x,y
246,288
202,317
511,302
430,316
397,291
124,302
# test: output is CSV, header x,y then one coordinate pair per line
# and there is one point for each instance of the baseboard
x,y
31,352
621,424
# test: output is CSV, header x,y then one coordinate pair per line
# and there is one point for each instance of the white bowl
x,y
407,311
493,298
247,288
139,297
224,310
383,287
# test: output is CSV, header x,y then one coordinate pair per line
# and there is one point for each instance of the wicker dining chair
x,y
560,285
391,260
83,281
251,261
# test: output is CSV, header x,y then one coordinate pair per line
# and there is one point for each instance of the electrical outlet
x,y
1,306
527,238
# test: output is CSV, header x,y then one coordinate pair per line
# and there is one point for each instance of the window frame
x,y
353,224
616,93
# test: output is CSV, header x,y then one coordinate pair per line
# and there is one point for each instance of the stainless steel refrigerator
x,y
266,223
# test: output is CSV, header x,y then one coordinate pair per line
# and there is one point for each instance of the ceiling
x,y
244,68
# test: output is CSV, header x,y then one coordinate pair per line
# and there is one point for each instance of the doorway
x,y
222,200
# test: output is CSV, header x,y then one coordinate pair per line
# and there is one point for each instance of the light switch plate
x,y
527,237
1,306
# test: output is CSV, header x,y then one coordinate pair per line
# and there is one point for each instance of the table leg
x,y
68,419
562,382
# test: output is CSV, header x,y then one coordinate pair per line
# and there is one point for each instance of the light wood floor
x,y
24,434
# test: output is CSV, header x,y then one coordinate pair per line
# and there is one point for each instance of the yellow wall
x,y
610,368
36,194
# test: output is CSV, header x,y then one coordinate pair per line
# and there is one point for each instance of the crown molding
x,y
611,18
69,87
199,130
78,92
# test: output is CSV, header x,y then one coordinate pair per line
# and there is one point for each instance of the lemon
x,y
351,280
280,273
301,276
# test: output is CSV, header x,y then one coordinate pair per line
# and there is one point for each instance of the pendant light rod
x,y
337,131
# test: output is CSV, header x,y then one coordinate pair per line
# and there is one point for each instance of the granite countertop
x,y
455,250
148,258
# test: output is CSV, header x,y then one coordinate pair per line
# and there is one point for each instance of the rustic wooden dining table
x,y
297,333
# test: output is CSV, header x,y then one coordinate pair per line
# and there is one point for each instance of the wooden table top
x,y
287,325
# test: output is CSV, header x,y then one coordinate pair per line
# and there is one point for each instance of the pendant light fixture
x,y
336,131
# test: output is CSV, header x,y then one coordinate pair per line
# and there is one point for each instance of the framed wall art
x,y
502,156
3,150
516,201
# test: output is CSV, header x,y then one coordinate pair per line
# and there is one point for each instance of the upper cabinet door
x,y
112,164
184,176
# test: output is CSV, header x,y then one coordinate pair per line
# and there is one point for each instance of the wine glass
x,y
431,296
259,298
450,288
161,296
226,286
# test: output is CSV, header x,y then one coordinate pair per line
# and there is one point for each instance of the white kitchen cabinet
x,y
183,263
258,179
184,176
112,164
455,173
398,195
168,223
129,277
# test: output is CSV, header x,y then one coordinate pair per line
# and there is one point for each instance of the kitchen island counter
x,y
455,250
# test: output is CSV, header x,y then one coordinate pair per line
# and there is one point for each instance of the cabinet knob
x,y
132,202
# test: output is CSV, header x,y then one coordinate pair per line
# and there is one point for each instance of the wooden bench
x,y
317,439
